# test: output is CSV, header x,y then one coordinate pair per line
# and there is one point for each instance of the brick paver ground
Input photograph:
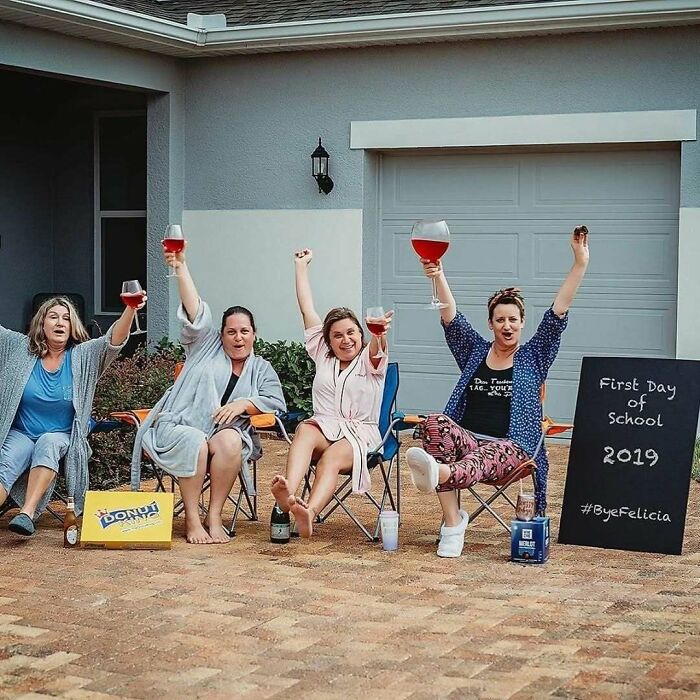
x,y
338,618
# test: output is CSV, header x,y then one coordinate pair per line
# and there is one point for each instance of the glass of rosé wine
x,y
132,295
373,320
430,240
173,242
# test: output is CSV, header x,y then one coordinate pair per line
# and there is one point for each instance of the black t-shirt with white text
x,y
488,397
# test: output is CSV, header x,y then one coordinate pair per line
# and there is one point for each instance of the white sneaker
x,y
425,471
452,538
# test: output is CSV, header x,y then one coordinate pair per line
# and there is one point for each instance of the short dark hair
x,y
339,313
237,310
509,295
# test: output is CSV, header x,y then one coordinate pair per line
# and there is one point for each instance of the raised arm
x,y
433,270
185,284
302,260
567,291
121,327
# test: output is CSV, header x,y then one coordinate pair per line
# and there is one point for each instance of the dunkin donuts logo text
x,y
127,515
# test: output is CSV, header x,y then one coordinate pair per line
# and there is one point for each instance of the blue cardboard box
x,y
530,541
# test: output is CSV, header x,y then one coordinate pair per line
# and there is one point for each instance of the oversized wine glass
x,y
173,242
431,239
132,295
373,315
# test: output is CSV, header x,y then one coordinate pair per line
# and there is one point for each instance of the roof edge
x,y
479,22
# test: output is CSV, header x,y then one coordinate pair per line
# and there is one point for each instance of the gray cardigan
x,y
89,360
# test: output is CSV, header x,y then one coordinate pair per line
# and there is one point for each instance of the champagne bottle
x,y
279,526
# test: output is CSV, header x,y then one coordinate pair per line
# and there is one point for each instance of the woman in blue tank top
x,y
46,394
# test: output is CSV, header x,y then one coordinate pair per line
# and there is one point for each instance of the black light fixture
x,y
319,168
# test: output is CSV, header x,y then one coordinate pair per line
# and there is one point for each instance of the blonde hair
x,y
37,339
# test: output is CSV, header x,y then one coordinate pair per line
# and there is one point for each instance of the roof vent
x,y
206,22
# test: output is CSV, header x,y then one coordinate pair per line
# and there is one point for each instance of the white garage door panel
x,y
636,330
649,260
509,216
476,184
602,180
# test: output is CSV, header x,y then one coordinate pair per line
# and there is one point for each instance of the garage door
x,y
509,216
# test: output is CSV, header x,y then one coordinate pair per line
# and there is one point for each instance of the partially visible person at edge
x,y
492,421
47,385
202,423
347,396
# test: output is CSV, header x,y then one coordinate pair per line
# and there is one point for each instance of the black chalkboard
x,y
631,454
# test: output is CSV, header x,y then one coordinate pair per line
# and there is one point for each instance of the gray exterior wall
x,y
25,247
79,62
46,189
252,121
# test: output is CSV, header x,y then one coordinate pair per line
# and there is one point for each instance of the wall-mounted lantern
x,y
319,168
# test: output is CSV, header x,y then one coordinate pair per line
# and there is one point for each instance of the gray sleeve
x,y
195,333
101,351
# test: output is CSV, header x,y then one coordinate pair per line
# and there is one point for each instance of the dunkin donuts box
x,y
127,520
530,541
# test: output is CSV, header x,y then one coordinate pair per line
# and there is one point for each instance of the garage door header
x,y
526,130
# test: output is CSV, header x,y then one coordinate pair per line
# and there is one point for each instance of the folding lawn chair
x,y
96,426
499,488
245,501
384,456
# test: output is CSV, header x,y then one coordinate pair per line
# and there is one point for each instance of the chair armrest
x,y
263,420
266,421
552,427
134,417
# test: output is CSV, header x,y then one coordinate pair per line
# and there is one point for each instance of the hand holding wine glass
x,y
430,240
174,244
378,323
134,296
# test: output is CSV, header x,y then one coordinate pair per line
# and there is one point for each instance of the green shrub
x,y
696,461
295,370
129,382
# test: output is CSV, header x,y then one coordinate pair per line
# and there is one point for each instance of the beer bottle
x,y
279,526
71,532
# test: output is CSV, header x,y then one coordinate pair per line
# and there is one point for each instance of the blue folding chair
x,y
385,457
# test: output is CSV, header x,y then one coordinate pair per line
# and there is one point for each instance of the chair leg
x,y
238,504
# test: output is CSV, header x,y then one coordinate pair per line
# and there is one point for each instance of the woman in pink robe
x,y
347,396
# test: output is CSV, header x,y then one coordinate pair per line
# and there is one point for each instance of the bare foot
x,y
280,490
303,515
196,534
217,531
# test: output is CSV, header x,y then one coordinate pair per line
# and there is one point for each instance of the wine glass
x,y
376,329
431,239
132,295
173,242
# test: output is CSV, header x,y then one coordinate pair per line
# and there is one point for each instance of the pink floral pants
x,y
470,459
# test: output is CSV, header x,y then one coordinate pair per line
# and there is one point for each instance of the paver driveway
x,y
336,617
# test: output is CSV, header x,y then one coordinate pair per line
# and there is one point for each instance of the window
x,y
120,205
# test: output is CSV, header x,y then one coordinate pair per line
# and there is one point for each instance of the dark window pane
x,y
123,258
122,163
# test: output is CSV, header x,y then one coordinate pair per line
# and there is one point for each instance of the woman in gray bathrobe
x,y
202,423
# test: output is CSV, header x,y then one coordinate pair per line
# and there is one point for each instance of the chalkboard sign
x,y
631,454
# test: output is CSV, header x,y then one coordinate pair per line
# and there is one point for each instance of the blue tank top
x,y
47,402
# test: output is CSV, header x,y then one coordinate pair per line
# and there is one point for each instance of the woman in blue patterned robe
x,y
492,421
